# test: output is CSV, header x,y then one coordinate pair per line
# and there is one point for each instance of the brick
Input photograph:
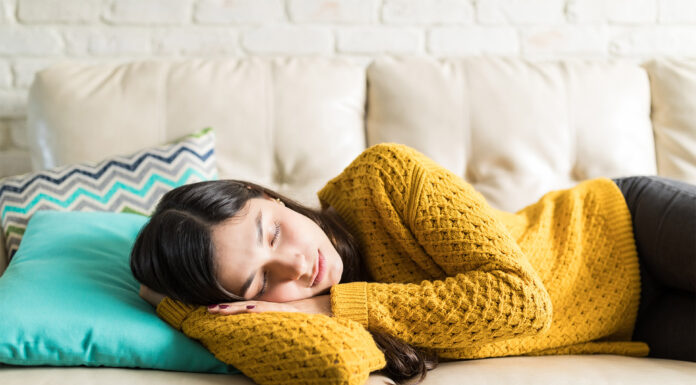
x,y
653,40
632,11
197,41
18,133
240,11
677,11
473,40
615,11
428,11
336,11
108,41
14,162
59,11
288,40
5,75
7,10
16,40
13,103
572,40
150,12
25,69
380,40
520,11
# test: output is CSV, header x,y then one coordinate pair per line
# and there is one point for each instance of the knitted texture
x,y
453,274
469,281
280,347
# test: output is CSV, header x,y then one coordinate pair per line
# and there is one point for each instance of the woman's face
x,y
268,243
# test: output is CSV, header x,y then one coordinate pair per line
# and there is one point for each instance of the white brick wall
x,y
283,39
473,40
36,33
586,40
337,11
150,12
379,39
520,11
615,11
239,12
677,11
58,11
424,12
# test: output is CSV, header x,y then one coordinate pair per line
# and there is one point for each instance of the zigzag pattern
x,y
132,183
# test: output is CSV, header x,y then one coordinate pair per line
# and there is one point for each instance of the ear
x,y
270,198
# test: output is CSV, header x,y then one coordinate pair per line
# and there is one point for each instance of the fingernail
x,y
211,306
224,306
250,306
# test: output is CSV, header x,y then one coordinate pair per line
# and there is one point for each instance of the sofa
x,y
513,128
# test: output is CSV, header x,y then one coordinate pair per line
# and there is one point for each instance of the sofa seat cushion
x,y
599,369
564,369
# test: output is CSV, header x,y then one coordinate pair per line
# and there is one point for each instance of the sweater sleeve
x,y
281,347
485,289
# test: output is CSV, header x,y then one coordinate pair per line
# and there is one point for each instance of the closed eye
x,y
265,285
276,234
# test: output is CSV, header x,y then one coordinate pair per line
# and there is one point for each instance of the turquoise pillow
x,y
68,298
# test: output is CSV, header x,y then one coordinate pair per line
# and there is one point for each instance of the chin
x,y
326,291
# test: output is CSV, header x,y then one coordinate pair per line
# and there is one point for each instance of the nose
x,y
295,267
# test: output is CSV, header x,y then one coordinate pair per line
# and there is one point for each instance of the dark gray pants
x,y
664,224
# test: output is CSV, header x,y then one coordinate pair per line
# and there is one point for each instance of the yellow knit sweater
x,y
453,274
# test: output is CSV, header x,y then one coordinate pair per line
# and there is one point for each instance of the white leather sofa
x,y
514,129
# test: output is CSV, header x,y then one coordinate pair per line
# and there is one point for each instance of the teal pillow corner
x,y
68,298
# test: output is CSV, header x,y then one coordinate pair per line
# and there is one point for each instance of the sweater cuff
x,y
349,300
174,312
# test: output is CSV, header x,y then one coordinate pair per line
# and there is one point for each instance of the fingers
x,y
233,308
250,307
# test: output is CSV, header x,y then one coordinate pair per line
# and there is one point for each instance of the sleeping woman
x,y
406,264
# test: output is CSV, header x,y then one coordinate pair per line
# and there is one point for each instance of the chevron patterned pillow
x,y
132,183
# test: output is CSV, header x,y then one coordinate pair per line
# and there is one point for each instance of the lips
x,y
315,270
319,275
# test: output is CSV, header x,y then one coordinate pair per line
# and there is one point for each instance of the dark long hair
x,y
173,255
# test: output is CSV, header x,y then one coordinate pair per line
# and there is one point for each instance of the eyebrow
x,y
259,242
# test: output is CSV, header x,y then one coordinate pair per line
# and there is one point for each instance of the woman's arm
x,y
150,296
263,347
437,225
320,304
272,347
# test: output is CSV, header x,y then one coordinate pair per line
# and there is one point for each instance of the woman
x,y
411,252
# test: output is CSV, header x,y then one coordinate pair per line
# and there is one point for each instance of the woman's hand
x,y
320,304
151,296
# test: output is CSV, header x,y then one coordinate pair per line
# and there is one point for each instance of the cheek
x,y
285,293
336,270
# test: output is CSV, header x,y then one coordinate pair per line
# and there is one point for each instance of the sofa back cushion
x,y
515,129
288,123
673,88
